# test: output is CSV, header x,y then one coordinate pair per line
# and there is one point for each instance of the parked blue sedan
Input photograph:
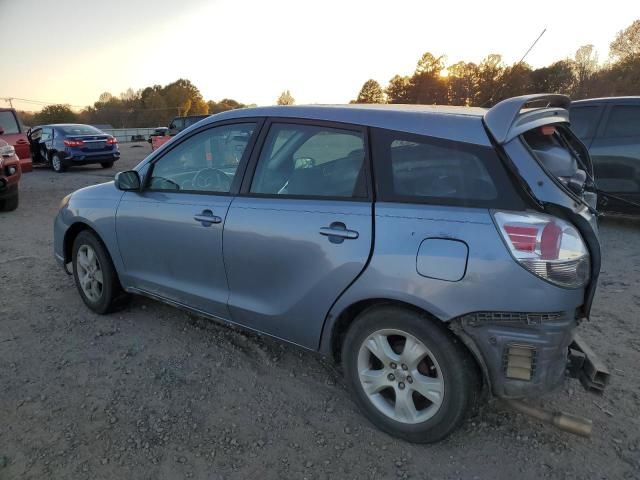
x,y
64,145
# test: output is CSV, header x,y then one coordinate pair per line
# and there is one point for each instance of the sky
x,y
70,51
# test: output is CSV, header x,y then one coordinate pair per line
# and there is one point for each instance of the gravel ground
x,y
151,392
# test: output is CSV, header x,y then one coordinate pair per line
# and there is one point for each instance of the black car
x,y
64,145
610,128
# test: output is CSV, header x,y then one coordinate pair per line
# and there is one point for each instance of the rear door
x,y
616,156
301,231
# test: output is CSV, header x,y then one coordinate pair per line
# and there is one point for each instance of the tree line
x,y
148,107
486,83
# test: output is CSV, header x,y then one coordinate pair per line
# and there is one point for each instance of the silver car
x,y
436,252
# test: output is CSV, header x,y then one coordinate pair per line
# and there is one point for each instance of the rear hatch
x,y
551,165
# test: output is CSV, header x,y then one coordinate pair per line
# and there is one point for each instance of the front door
x,y
301,232
170,233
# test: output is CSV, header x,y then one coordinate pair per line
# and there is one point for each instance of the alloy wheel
x,y
400,376
89,273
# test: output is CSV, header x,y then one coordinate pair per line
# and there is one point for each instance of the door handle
x,y
206,217
338,232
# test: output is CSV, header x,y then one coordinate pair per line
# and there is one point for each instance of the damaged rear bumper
x,y
529,354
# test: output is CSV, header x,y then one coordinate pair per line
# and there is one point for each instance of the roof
x,y
454,123
606,100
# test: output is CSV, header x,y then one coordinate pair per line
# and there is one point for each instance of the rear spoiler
x,y
514,116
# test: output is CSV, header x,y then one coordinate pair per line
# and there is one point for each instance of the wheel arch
x,y
72,233
331,342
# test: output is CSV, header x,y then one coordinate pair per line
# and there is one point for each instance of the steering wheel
x,y
212,177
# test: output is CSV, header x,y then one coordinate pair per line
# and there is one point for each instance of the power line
x,y
42,102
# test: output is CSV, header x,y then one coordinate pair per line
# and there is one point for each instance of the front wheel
x,y
106,164
94,274
9,204
409,375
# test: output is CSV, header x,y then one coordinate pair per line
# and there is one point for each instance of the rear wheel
x,y
9,204
409,375
94,274
57,164
106,164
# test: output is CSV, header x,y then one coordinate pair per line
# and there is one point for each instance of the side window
x,y
420,169
624,121
178,123
583,121
205,162
47,134
9,122
315,161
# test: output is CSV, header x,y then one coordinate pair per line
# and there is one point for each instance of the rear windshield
x,y
416,168
80,130
8,122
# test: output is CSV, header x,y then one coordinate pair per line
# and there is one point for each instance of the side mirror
x,y
1,130
127,181
149,140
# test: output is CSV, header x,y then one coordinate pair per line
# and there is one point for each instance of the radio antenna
x,y
501,88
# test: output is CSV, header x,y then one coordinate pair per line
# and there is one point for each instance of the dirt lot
x,y
151,392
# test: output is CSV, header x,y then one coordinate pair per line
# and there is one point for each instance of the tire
x,y
107,164
57,164
435,363
101,297
9,204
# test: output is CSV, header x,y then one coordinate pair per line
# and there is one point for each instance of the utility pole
x,y
10,100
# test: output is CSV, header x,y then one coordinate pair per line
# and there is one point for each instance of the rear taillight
x,y
73,143
112,141
546,246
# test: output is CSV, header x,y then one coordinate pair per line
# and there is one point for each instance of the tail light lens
x,y
112,141
547,246
73,143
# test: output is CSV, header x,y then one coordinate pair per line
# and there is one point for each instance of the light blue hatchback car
x,y
436,252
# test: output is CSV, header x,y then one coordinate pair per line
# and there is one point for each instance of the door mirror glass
x,y
126,181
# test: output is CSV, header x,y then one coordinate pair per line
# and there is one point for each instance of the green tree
x,y
186,97
556,78
55,114
286,98
371,92
585,67
428,84
489,73
462,83
627,43
224,105
400,90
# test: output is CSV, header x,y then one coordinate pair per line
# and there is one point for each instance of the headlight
x,y
11,170
7,151
65,201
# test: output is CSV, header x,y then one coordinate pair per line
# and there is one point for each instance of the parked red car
x,y
10,173
12,131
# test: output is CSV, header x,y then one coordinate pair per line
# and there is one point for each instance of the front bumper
x,y
522,354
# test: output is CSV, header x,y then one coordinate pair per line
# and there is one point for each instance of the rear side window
x,y
420,169
311,161
9,123
583,121
624,121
